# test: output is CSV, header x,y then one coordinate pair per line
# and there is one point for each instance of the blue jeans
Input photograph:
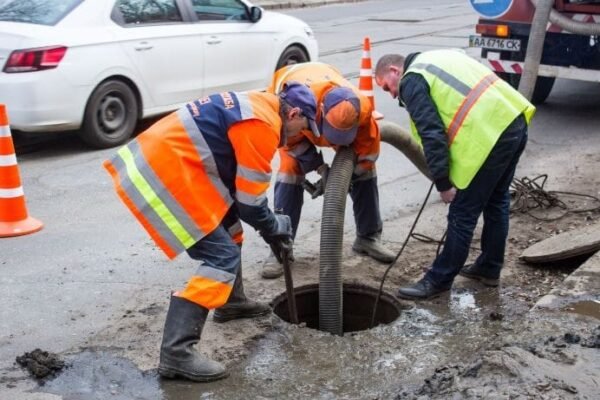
x,y
488,193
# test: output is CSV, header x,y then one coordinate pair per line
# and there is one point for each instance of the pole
x,y
535,46
289,288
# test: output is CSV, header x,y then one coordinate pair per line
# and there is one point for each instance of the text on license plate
x,y
495,43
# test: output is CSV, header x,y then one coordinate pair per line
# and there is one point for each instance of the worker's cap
x,y
341,111
298,95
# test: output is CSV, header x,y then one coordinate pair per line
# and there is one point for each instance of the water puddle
x,y
590,308
297,362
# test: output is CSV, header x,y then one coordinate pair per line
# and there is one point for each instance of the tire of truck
x,y
543,86
110,115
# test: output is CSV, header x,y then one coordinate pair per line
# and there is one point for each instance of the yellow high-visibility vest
x,y
474,104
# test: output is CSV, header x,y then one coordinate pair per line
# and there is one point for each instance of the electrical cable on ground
x,y
529,194
412,228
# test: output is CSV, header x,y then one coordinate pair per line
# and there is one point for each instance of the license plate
x,y
495,43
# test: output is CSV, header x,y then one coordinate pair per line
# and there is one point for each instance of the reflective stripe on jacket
x,y
180,177
321,78
474,104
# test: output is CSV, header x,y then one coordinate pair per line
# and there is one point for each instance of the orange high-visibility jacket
x,y
321,78
180,177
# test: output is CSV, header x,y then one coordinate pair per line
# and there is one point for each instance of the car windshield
x,y
43,12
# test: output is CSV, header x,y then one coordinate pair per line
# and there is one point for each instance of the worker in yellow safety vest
x,y
473,129
344,118
189,179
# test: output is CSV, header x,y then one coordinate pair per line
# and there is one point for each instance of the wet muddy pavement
x,y
292,362
475,342
534,337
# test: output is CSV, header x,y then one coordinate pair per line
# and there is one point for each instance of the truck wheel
x,y
543,86
292,55
110,115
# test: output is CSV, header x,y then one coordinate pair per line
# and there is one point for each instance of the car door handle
x,y
143,46
213,40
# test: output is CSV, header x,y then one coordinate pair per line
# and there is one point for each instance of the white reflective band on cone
x,y
368,93
11,193
365,72
8,161
4,131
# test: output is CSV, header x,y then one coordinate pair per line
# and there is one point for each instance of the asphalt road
x,y
92,261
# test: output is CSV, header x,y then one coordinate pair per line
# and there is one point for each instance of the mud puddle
x,y
297,362
590,308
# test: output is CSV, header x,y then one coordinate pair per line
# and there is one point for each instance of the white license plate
x,y
495,43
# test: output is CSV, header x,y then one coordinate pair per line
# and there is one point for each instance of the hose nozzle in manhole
x,y
358,301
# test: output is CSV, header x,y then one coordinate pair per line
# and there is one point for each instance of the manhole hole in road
x,y
358,302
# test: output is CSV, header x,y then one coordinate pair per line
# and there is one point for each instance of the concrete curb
x,y
283,4
581,285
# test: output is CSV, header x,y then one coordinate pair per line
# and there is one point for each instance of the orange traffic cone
x,y
14,220
365,81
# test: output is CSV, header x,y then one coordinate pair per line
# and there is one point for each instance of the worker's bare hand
x,y
448,195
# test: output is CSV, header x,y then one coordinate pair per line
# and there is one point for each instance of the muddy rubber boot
x,y
271,268
372,247
178,358
239,306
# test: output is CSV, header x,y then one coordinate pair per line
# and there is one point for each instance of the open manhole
x,y
358,303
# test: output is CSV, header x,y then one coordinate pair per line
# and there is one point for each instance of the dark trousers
x,y
488,193
365,198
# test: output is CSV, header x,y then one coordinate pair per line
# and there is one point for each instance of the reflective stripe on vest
x,y
468,103
203,150
474,105
471,94
174,224
153,200
248,183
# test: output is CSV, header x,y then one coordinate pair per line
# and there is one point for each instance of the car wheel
x,y
292,55
110,115
541,91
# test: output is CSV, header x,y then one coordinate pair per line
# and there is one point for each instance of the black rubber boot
x,y
422,290
472,271
239,306
178,358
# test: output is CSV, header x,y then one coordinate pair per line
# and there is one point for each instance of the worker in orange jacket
x,y
188,180
344,118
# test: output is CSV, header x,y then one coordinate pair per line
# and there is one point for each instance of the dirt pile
x,y
552,368
41,364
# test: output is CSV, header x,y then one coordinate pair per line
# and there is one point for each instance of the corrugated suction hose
x,y
332,222
332,236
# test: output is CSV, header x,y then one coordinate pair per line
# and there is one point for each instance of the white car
x,y
101,65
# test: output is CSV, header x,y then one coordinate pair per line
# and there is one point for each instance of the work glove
x,y
318,188
280,238
321,184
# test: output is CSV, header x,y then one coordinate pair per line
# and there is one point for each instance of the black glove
x,y
323,170
280,238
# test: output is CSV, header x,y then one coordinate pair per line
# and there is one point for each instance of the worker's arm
x,y
254,143
414,93
366,145
306,154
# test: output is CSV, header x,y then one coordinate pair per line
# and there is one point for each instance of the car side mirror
x,y
255,14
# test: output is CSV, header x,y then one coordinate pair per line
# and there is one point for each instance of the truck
x,y
502,34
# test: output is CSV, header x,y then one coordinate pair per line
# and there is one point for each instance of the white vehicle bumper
x,y
35,103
